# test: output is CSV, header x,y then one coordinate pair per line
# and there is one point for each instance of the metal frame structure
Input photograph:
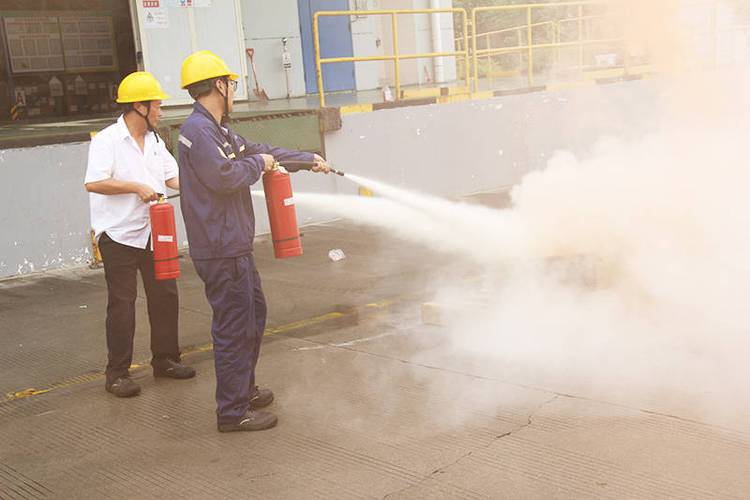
x,y
530,46
471,54
489,51
396,57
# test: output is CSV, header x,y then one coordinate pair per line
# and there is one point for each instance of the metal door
x,y
170,32
335,41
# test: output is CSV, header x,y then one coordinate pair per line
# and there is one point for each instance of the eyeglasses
x,y
233,84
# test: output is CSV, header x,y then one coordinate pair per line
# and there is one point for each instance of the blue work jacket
x,y
217,168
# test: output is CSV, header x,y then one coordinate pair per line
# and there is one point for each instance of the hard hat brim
x,y
231,76
156,97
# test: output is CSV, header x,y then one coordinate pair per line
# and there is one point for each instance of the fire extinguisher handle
x,y
162,196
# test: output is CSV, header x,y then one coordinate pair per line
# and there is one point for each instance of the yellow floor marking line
x,y
355,108
306,323
93,376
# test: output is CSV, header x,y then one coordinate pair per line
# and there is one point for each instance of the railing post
x,y
519,41
625,58
474,57
318,66
556,37
396,62
580,38
488,46
529,36
467,61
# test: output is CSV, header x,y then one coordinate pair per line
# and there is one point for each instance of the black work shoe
x,y
123,387
251,421
261,398
172,369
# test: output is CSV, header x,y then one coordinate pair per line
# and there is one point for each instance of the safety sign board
x,y
188,3
80,86
156,19
88,42
20,97
55,87
34,43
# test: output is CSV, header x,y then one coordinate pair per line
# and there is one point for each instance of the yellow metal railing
x,y
561,36
396,57
530,46
487,35
556,29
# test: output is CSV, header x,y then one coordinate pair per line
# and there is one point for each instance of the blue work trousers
x,y
239,318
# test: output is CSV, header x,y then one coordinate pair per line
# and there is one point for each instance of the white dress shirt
x,y
114,154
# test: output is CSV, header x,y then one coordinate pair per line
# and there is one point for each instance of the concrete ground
x,y
371,402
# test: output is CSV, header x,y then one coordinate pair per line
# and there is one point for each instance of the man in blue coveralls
x,y
217,168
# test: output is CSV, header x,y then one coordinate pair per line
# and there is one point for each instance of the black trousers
x,y
121,265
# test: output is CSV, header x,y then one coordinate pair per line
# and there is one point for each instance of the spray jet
x,y
296,166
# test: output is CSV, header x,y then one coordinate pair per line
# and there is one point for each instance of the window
x,y
63,63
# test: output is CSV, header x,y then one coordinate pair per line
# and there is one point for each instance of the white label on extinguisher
x,y
165,238
288,202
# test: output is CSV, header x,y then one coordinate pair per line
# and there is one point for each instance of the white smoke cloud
x,y
663,218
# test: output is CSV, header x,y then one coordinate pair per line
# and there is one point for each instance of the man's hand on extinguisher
x,y
270,161
321,165
145,193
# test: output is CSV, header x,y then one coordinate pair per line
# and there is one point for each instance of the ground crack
x,y
443,469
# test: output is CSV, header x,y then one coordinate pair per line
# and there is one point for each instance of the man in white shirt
x,y
127,167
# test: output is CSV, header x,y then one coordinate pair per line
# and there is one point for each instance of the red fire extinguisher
x,y
164,241
282,213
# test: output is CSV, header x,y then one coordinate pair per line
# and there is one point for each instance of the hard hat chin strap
x,y
145,117
225,115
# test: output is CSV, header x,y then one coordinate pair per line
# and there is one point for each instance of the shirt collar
x,y
200,108
122,128
123,132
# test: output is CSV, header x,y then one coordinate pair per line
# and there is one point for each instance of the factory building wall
x,y
447,149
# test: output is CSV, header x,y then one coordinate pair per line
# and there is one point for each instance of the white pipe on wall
x,y
438,66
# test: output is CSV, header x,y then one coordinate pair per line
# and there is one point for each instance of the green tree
x,y
490,21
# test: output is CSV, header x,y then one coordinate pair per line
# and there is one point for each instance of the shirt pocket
x,y
154,168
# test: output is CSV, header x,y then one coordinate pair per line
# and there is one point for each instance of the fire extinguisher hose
x,y
170,197
296,166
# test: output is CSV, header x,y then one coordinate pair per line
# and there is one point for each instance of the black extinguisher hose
x,y
170,197
290,166
296,166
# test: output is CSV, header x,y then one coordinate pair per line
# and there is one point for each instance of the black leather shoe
x,y
123,387
251,421
172,369
260,398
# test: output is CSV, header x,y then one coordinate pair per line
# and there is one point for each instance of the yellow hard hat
x,y
138,87
203,65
